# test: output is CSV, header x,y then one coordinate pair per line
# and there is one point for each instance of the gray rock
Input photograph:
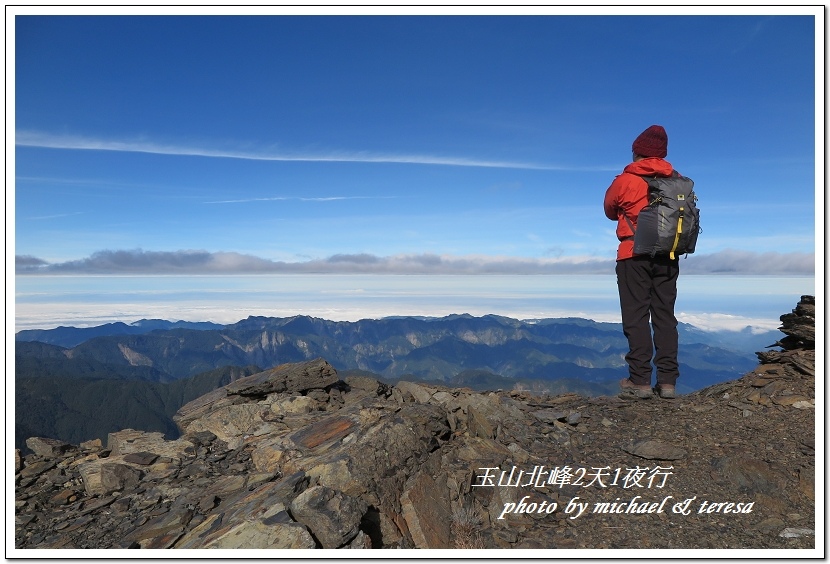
x,y
330,429
116,477
263,534
94,444
96,504
425,506
143,458
652,449
417,392
794,533
366,384
318,395
47,447
287,378
747,474
549,415
129,441
298,377
478,425
37,468
201,438
232,423
361,541
331,516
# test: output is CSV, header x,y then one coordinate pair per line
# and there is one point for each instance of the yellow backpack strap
x,y
674,173
677,234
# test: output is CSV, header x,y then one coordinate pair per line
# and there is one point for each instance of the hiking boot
x,y
629,389
665,391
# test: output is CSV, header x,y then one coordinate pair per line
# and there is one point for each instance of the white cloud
x,y
301,199
53,216
139,261
731,261
725,322
74,142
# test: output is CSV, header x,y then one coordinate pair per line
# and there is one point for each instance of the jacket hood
x,y
650,167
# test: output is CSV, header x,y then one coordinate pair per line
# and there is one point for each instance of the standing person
x,y
647,285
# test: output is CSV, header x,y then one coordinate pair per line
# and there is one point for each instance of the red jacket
x,y
627,195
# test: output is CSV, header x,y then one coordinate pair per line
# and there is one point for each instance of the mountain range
x,y
302,456
77,384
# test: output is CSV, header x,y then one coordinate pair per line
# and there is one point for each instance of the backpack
x,y
669,224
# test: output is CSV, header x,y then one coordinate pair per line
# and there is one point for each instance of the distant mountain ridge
x,y
72,336
427,348
745,340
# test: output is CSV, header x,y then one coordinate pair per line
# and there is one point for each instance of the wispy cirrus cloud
x,y
301,199
53,216
203,262
752,34
75,142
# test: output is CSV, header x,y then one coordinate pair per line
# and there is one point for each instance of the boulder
x,y
119,476
233,423
263,534
425,506
131,441
367,384
651,449
293,378
48,448
332,517
298,377
415,392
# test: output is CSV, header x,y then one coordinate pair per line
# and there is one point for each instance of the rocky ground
x,y
294,457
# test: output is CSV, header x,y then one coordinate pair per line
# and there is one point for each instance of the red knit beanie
x,y
653,142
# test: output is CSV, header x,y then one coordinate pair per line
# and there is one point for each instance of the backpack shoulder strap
x,y
646,179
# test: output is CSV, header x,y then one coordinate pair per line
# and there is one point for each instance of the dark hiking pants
x,y
648,289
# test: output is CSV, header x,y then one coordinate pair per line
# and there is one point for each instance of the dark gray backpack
x,y
670,222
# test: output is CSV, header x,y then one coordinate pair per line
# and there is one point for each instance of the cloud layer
x,y
183,262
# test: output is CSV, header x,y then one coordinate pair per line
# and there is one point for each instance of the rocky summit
x,y
297,458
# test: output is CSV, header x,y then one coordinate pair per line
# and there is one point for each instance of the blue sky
x,y
428,144
381,142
